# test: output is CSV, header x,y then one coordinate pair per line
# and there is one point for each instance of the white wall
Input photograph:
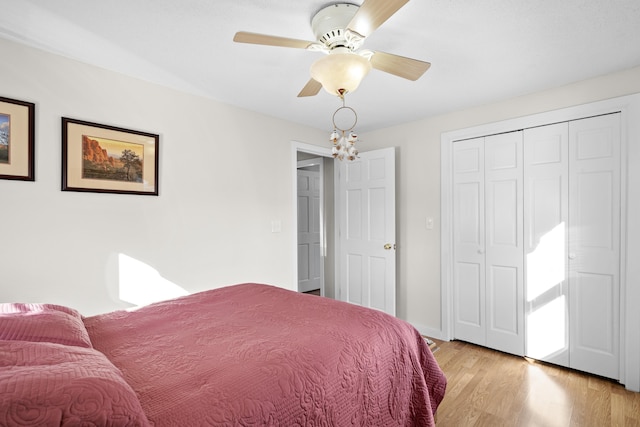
x,y
224,176
418,166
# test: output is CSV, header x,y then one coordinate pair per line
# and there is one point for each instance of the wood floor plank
x,y
617,410
490,388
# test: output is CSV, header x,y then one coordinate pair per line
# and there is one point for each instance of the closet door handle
x,y
480,251
572,256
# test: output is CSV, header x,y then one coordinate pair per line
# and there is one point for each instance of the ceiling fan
x,y
340,31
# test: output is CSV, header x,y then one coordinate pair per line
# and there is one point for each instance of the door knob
x,y
572,256
388,246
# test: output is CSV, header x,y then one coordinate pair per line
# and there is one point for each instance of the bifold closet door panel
x,y
468,236
594,244
504,242
546,207
488,242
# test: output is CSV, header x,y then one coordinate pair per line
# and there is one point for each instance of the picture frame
x,y
17,139
100,158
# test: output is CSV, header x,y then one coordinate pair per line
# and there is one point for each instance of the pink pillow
x,y
43,323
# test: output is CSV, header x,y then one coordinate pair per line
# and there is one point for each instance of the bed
x,y
242,355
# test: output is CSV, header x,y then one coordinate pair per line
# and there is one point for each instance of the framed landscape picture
x,y
107,159
17,139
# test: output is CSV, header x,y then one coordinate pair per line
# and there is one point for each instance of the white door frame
x,y
629,107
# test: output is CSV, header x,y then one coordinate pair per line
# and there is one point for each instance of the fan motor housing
x,y
329,24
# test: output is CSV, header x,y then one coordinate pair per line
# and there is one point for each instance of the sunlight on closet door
x,y
546,273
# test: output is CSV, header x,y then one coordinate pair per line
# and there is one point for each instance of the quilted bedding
x,y
257,355
51,376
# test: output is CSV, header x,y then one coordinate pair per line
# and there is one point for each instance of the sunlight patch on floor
x,y
547,402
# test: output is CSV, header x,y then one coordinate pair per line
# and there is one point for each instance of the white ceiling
x,y
480,51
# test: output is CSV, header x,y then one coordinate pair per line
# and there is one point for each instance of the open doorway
x,y
315,243
311,248
359,199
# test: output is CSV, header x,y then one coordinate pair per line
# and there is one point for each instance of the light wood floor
x,y
489,388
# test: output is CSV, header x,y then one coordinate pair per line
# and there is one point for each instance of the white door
x,y
504,244
468,241
488,280
546,238
572,238
310,259
594,245
367,265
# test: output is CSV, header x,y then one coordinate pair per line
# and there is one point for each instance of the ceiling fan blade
x,y
372,14
255,38
400,66
311,88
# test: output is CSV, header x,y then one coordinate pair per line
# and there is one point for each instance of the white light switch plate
x,y
429,223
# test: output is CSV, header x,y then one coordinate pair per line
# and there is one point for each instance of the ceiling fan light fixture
x,y
340,30
341,71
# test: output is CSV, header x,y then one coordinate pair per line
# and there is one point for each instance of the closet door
x,y
468,236
546,151
594,245
488,242
504,242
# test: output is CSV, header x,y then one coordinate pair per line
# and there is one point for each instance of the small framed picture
x,y
106,159
17,139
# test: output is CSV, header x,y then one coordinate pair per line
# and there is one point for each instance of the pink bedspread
x,y
43,384
254,354
51,376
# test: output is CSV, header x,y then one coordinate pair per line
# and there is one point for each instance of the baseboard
x,y
429,332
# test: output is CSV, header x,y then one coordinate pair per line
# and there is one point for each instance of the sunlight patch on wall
x,y
141,284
